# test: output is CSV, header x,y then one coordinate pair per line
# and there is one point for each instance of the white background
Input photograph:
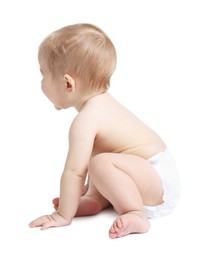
x,y
162,75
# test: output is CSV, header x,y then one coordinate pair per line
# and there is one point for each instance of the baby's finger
x,y
39,221
49,224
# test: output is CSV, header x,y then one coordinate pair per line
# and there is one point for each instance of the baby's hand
x,y
47,221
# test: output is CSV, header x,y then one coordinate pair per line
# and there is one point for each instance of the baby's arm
x,y
81,139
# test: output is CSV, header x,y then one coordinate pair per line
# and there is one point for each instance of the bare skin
x,y
112,146
129,221
133,222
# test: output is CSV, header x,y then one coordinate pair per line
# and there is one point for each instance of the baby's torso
x,y
119,131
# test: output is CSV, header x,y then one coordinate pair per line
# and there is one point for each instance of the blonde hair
x,y
83,50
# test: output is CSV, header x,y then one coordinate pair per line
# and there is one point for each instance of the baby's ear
x,y
69,83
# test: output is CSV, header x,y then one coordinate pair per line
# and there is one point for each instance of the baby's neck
x,y
87,99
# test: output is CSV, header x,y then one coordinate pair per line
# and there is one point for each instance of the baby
x,y
128,166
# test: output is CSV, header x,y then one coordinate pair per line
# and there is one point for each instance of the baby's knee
x,y
98,162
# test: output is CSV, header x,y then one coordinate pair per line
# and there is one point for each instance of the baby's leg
x,y
128,182
90,204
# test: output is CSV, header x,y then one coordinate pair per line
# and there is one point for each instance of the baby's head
x,y
83,51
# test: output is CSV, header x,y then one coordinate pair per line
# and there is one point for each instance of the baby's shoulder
x,y
85,121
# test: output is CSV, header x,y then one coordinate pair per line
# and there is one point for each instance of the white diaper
x,y
165,166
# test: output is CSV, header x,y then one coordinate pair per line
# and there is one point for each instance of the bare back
x,y
118,130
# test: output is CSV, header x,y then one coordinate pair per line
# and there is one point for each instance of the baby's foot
x,y
87,206
129,223
56,203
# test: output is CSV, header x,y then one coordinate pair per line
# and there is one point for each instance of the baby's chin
x,y
57,108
